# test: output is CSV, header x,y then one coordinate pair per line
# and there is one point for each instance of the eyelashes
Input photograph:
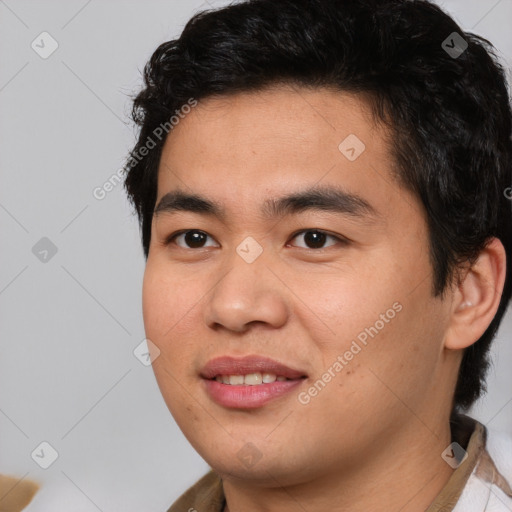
x,y
316,237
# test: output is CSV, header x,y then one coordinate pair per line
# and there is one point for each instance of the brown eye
x,y
315,239
192,238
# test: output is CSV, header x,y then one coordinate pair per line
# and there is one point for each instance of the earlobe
x,y
477,297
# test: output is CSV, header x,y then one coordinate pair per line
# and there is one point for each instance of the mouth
x,y
250,379
249,382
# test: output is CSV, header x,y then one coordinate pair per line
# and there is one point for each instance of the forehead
x,y
272,118
248,145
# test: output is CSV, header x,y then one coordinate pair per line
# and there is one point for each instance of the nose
x,y
246,293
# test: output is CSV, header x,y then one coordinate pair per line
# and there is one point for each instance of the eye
x,y
194,238
315,238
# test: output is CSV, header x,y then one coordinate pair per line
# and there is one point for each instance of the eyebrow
x,y
317,198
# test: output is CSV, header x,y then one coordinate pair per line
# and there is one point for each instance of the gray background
x,y
69,325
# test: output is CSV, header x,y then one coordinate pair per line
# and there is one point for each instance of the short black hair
x,y
441,91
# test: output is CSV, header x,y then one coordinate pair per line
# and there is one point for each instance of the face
x,y
299,248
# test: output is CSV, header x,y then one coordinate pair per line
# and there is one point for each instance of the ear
x,y
477,297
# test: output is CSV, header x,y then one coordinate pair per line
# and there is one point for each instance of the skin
x,y
372,439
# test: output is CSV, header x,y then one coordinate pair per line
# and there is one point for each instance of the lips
x,y
237,395
228,365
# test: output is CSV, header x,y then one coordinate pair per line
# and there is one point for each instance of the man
x,y
321,186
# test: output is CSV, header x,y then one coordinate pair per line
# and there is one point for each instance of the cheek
x,y
173,305
167,307
381,308
167,301
347,302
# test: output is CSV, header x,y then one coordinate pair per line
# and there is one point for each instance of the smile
x,y
250,379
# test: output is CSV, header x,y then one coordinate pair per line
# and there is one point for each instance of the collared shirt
x,y
482,482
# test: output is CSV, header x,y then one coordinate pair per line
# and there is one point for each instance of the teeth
x,y
251,379
236,380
